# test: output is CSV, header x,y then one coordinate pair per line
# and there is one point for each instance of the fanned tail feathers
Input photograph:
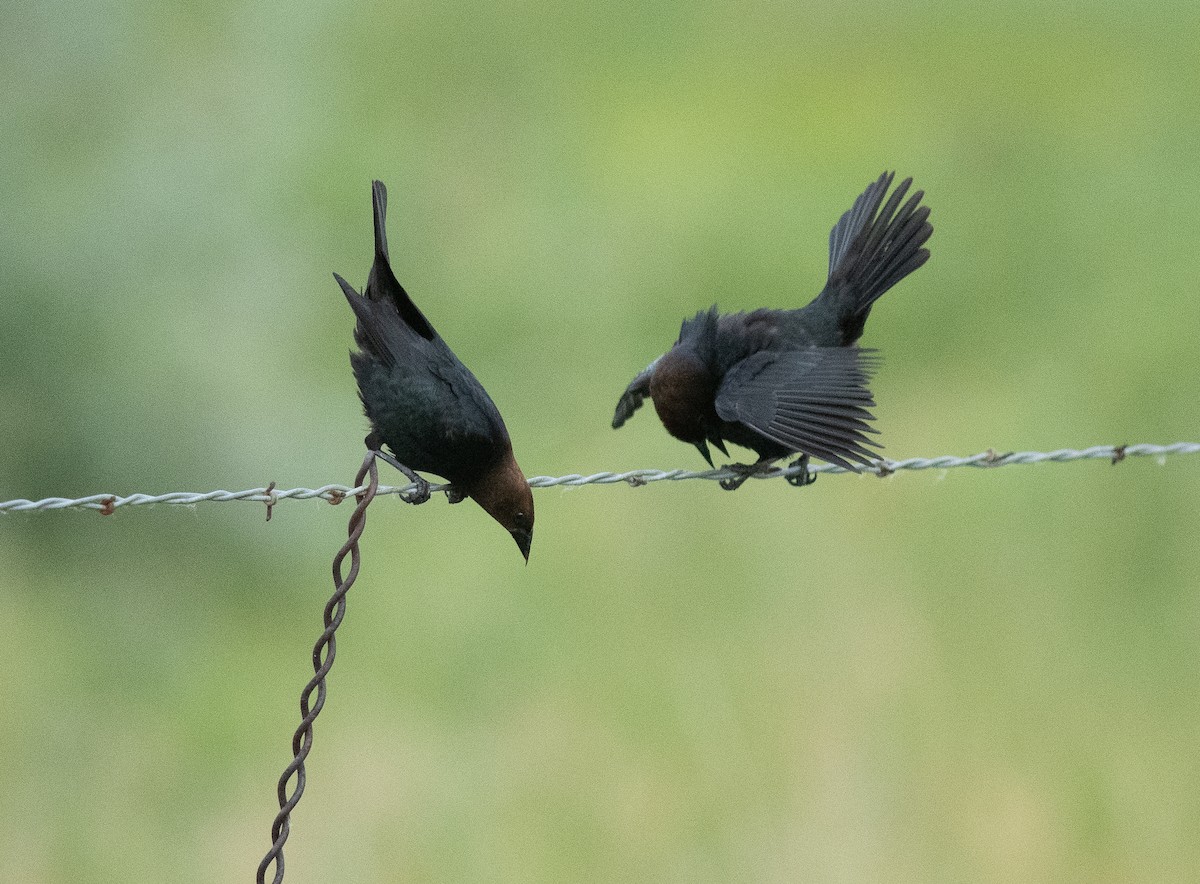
x,y
873,246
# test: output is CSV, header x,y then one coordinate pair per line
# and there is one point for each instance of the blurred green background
x,y
975,676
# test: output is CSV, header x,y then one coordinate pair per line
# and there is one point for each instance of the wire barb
x,y
323,655
107,504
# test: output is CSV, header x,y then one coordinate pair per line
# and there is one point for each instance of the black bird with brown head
x,y
783,382
425,405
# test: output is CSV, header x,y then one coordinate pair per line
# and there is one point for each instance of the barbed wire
x,y
106,504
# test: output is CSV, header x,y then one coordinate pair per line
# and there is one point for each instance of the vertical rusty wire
x,y
323,654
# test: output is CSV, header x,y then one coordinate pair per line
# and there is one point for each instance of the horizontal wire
x,y
107,503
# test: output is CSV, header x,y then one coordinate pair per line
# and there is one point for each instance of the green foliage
x,y
986,676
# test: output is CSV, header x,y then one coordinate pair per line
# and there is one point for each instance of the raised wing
x,y
813,400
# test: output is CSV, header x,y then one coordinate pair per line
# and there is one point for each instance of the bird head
x,y
683,389
504,494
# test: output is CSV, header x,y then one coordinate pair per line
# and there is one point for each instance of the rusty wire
x,y
323,654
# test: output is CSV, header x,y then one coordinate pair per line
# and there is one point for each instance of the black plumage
x,y
781,382
424,404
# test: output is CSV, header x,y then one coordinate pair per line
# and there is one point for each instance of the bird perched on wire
x,y
782,382
425,405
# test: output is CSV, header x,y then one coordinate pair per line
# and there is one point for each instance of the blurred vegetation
x,y
986,676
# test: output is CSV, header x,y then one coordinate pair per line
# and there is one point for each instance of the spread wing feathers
x,y
813,401
871,248
633,397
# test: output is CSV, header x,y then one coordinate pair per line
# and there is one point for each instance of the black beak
x,y
524,540
702,447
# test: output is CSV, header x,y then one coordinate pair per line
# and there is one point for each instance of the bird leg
x,y
418,495
805,477
453,495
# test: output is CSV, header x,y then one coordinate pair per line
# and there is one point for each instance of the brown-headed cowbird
x,y
425,405
782,382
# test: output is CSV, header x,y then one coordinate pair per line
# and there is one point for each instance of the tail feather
x,y
379,206
900,253
869,238
372,331
873,246
851,223
382,282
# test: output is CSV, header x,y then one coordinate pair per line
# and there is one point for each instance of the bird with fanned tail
x,y
785,382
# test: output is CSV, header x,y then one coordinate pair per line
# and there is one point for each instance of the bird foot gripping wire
x,y
418,495
804,477
746,471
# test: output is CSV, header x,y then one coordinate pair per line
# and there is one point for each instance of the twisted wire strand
x,y
106,504
323,655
